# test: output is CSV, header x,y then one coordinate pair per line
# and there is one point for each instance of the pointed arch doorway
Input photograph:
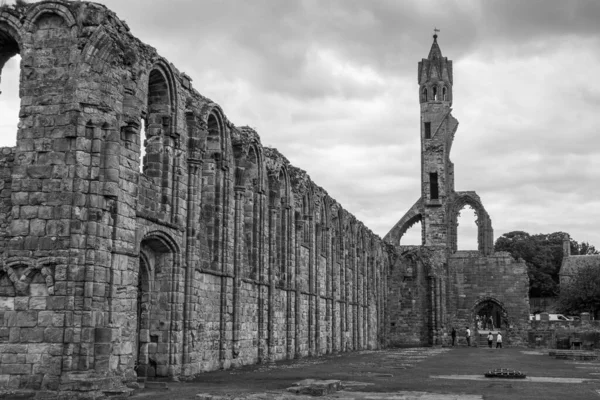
x,y
489,314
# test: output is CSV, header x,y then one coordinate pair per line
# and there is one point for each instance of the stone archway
x,y
157,266
485,232
489,314
144,291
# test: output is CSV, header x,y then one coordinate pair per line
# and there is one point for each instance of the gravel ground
x,y
414,373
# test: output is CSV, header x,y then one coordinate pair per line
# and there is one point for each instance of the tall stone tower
x,y
435,287
437,133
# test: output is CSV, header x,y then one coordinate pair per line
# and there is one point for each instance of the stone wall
x,y
434,287
560,334
474,279
432,291
219,253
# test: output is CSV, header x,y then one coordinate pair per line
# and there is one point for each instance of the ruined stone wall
x,y
474,278
408,302
560,334
432,291
209,252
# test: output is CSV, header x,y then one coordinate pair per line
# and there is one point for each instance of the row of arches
x,y
229,229
259,220
25,277
469,225
435,92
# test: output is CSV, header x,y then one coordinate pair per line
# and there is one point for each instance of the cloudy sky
x,y
333,85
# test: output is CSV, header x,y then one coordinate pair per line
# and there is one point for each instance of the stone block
x,y
15,369
13,358
50,382
103,335
7,304
26,318
4,378
53,335
19,227
33,358
101,350
21,302
28,212
37,303
32,335
39,172
56,303
13,348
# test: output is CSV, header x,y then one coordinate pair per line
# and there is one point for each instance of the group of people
x,y
490,338
484,322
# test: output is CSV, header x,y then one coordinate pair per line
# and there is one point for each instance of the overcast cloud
x,y
333,85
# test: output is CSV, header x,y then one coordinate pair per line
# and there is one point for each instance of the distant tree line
x,y
543,254
581,293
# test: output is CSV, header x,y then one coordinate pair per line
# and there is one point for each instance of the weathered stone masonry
x,y
434,287
220,253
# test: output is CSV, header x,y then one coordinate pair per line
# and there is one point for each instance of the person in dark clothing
x,y
453,334
490,339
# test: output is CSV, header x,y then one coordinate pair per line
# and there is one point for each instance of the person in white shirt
x,y
498,340
468,336
490,339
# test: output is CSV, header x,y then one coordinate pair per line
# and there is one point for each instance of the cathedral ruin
x,y
438,287
211,251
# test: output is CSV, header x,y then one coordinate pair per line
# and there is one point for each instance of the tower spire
x,y
435,52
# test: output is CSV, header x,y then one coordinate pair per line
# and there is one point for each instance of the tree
x,y
543,254
584,248
582,292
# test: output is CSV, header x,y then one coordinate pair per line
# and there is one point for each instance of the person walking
x,y
468,336
453,334
498,340
490,339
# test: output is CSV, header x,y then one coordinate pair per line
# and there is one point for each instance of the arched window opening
x,y
434,191
157,123
467,229
424,95
413,235
306,217
435,93
251,214
10,102
282,228
427,127
214,200
143,144
279,224
323,231
142,308
445,94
